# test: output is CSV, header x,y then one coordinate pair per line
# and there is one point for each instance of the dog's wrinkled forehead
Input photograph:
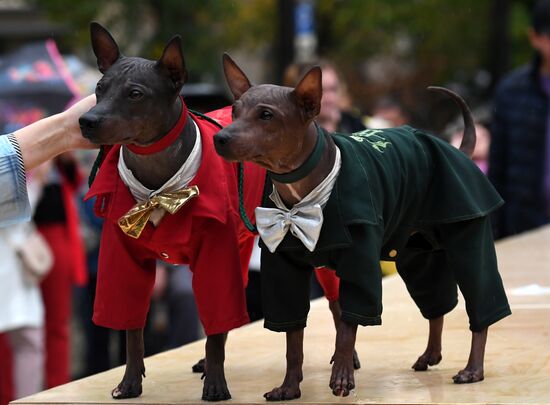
x,y
266,94
131,66
129,72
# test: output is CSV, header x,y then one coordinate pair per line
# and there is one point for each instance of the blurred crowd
x,y
47,337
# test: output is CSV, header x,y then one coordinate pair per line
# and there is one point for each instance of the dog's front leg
x,y
130,386
342,379
215,386
290,389
336,315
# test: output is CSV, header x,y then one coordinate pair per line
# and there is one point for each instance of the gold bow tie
x,y
133,222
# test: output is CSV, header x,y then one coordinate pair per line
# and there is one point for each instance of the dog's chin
x,y
91,136
261,160
97,139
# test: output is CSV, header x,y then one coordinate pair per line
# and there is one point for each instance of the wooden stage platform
x,y
517,365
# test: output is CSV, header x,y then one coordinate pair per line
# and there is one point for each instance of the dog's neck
x,y
292,193
154,170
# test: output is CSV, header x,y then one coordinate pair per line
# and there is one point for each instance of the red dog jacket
x,y
206,233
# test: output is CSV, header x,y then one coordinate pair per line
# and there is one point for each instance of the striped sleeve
x,y
14,201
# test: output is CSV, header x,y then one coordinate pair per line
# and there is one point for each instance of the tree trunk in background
x,y
499,41
285,37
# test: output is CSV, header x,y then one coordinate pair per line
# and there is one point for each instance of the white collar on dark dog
x,y
304,219
178,181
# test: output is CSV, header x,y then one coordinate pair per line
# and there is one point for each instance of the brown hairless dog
x,y
274,127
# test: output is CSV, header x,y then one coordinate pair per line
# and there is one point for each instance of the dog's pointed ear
x,y
236,79
309,92
104,46
173,61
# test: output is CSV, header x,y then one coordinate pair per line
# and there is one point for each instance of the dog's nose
x,y
221,139
89,122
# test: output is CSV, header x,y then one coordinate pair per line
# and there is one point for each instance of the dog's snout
x,y
221,142
89,122
221,138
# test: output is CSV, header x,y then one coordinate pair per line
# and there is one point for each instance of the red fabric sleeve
x,y
329,282
217,278
124,282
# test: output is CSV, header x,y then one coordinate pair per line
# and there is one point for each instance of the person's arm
x,y
31,146
51,136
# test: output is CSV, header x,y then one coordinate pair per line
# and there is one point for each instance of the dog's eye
x,y
98,89
136,94
266,115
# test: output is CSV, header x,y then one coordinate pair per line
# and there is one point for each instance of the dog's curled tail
x,y
469,138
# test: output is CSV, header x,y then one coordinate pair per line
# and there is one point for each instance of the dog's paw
x,y
283,393
342,379
213,393
215,387
468,376
198,367
128,388
427,359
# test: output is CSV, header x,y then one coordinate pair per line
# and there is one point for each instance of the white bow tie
x,y
304,220
304,223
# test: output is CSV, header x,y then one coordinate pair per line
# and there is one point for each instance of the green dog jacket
x,y
401,195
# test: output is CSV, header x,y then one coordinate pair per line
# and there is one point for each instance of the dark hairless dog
x,y
347,201
165,195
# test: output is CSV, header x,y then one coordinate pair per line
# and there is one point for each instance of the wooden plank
x,y
517,367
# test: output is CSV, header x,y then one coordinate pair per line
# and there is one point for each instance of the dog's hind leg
x,y
198,367
474,263
130,386
336,315
290,389
474,369
423,265
432,354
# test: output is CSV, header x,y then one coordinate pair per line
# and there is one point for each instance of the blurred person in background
x,y
335,114
22,314
57,219
388,112
519,158
455,131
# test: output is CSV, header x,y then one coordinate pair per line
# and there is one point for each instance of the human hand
x,y
70,117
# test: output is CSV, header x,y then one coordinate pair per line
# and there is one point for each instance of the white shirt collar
x,y
178,181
